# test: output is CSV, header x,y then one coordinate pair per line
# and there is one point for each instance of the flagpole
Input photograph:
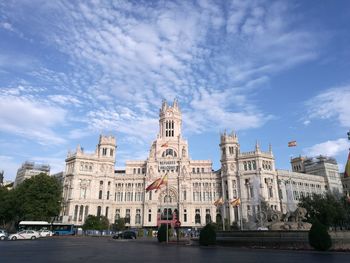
x,y
223,216
178,204
167,212
240,217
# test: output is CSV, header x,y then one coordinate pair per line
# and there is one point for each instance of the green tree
x,y
96,223
328,210
119,224
6,211
319,238
207,235
161,235
37,198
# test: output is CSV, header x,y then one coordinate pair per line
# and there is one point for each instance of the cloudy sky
x,y
274,71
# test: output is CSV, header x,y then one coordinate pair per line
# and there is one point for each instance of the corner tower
x,y
106,147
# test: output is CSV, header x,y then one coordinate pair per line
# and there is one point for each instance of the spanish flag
x,y
236,202
154,185
219,202
292,143
158,183
347,167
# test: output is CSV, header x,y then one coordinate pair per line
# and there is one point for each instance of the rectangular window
x,y
111,152
127,216
149,217
117,214
270,192
185,217
185,195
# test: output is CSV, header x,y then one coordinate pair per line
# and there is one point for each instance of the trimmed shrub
x,y
161,235
140,232
207,235
319,238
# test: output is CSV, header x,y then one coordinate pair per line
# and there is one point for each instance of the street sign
x,y
177,223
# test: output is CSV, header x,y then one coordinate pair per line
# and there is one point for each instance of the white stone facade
x,y
93,186
28,170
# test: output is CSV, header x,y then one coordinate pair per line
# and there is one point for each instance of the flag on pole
x,y
236,202
154,185
219,202
158,183
292,143
347,167
164,180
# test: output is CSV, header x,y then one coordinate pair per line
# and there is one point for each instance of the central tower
x,y
170,121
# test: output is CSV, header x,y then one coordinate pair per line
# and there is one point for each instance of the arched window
x,y
98,211
86,211
81,211
127,216
245,166
218,218
207,219
76,213
138,216
117,214
249,165
100,194
169,152
197,219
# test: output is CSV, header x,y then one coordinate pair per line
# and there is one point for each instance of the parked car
x,y
3,234
127,234
45,233
25,234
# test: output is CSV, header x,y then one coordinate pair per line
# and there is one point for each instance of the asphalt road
x,y
102,249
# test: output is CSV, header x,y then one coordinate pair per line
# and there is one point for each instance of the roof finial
x,y
257,146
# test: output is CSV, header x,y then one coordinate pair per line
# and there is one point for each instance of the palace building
x,y
92,185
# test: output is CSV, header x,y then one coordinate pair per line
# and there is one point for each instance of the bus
x,y
34,225
58,229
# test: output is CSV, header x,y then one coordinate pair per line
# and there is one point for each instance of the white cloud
x,y
31,119
6,26
131,55
331,104
328,148
65,100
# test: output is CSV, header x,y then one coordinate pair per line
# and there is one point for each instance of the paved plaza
x,y
98,249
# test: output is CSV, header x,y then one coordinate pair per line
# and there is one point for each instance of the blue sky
x,y
274,71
